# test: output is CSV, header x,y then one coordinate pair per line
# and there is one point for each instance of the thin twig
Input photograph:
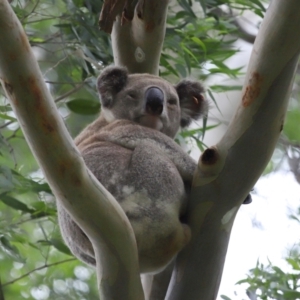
x,y
8,145
37,269
6,124
75,89
52,68
31,12
1,292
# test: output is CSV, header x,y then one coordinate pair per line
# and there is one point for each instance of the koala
x,y
131,150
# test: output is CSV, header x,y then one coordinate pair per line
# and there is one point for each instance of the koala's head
x,y
150,100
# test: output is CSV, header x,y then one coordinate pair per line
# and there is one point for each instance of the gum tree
x,y
226,171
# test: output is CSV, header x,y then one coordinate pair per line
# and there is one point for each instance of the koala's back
x,y
150,190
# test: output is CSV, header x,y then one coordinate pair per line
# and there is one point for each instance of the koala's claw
x,y
248,199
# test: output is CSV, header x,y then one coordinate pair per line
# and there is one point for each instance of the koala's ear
x,y
111,81
192,102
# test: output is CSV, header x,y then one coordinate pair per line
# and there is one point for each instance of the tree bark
x,y
156,286
93,208
137,43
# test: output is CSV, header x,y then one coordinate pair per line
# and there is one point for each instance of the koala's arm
x,y
130,135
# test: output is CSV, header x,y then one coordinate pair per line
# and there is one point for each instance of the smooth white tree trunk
x,y
227,171
93,208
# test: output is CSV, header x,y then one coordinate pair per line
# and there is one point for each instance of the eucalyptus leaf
x,y
11,250
84,106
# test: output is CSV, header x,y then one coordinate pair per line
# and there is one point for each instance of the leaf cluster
x,y
268,282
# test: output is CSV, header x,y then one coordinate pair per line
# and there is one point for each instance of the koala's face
x,y
149,100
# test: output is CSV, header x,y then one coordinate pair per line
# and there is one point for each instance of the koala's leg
x,y
155,206
75,238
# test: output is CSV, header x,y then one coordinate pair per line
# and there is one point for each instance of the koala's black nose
x,y
154,101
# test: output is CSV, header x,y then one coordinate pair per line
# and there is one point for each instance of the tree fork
x,y
137,31
249,141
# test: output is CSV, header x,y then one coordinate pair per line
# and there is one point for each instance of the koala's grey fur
x,y
131,151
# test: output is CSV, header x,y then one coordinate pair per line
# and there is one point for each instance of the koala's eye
x,y
131,94
172,101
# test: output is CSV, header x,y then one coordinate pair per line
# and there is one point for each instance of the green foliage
x,y
198,42
270,282
289,143
71,51
291,129
84,106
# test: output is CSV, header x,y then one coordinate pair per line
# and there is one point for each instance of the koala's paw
x,y
179,241
187,234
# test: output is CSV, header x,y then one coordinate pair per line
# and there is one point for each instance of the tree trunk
x,y
227,172
70,180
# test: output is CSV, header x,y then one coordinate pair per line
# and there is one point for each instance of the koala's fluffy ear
x,y
192,102
111,81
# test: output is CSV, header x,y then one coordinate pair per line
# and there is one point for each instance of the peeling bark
x,y
112,8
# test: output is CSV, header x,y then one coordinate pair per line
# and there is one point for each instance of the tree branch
x,y
156,286
112,8
92,207
137,43
242,32
227,171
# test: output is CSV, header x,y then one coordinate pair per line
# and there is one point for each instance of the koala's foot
x,y
156,258
187,234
